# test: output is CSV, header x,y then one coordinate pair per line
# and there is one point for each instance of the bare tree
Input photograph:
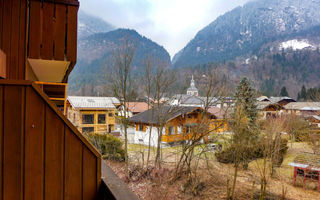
x,y
297,127
271,147
162,82
148,78
122,57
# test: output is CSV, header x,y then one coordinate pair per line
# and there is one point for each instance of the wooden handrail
x,y
55,109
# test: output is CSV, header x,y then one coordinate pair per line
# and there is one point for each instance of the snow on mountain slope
x,y
296,45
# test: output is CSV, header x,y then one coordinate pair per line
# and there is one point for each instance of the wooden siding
x,y
37,29
13,36
3,66
42,155
75,116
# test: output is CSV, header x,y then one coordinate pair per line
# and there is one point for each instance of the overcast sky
x,y
170,23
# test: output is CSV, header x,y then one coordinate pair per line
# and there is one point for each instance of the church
x,y
192,98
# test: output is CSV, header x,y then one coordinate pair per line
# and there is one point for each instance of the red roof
x,y
137,107
219,113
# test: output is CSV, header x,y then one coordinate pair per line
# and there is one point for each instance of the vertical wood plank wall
x,y
42,158
37,29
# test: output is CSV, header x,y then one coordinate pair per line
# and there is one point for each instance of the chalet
x,y
219,121
42,154
133,108
279,100
314,120
92,114
306,167
267,109
302,108
178,122
263,98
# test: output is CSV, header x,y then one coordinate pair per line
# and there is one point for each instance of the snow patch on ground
x,y
295,44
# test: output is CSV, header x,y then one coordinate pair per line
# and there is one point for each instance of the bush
x,y
109,146
227,155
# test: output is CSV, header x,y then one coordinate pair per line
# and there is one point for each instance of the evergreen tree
x,y
299,96
303,93
246,99
283,92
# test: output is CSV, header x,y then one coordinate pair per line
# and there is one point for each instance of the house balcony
x,y
44,156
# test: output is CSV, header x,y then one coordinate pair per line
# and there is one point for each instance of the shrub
x,y
226,155
109,146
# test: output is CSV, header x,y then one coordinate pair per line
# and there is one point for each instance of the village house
x,y
267,109
92,114
303,108
133,108
179,124
279,100
218,123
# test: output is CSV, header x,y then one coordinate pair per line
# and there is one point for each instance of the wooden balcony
x,y
43,156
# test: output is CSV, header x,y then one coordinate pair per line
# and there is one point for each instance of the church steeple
x,y
192,90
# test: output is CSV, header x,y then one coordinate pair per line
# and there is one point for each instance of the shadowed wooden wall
x,y
42,155
37,29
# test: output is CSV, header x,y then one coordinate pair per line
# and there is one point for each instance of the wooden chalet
x,y
42,155
267,109
92,114
219,120
179,124
303,108
306,167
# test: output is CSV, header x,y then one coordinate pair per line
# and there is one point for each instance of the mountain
x,y
88,25
95,55
247,31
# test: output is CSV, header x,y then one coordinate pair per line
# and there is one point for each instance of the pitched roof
x,y
137,107
219,113
278,99
301,105
316,117
194,100
307,160
263,98
261,105
86,102
166,112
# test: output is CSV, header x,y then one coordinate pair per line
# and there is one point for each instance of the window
x,y
110,128
179,129
88,119
140,128
74,117
188,129
110,114
170,130
101,119
87,129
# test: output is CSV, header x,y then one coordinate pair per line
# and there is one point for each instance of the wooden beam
x,y
2,64
65,2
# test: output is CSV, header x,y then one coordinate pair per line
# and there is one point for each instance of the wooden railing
x,y
42,154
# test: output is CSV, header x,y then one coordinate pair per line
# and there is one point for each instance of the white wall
x,y
142,137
